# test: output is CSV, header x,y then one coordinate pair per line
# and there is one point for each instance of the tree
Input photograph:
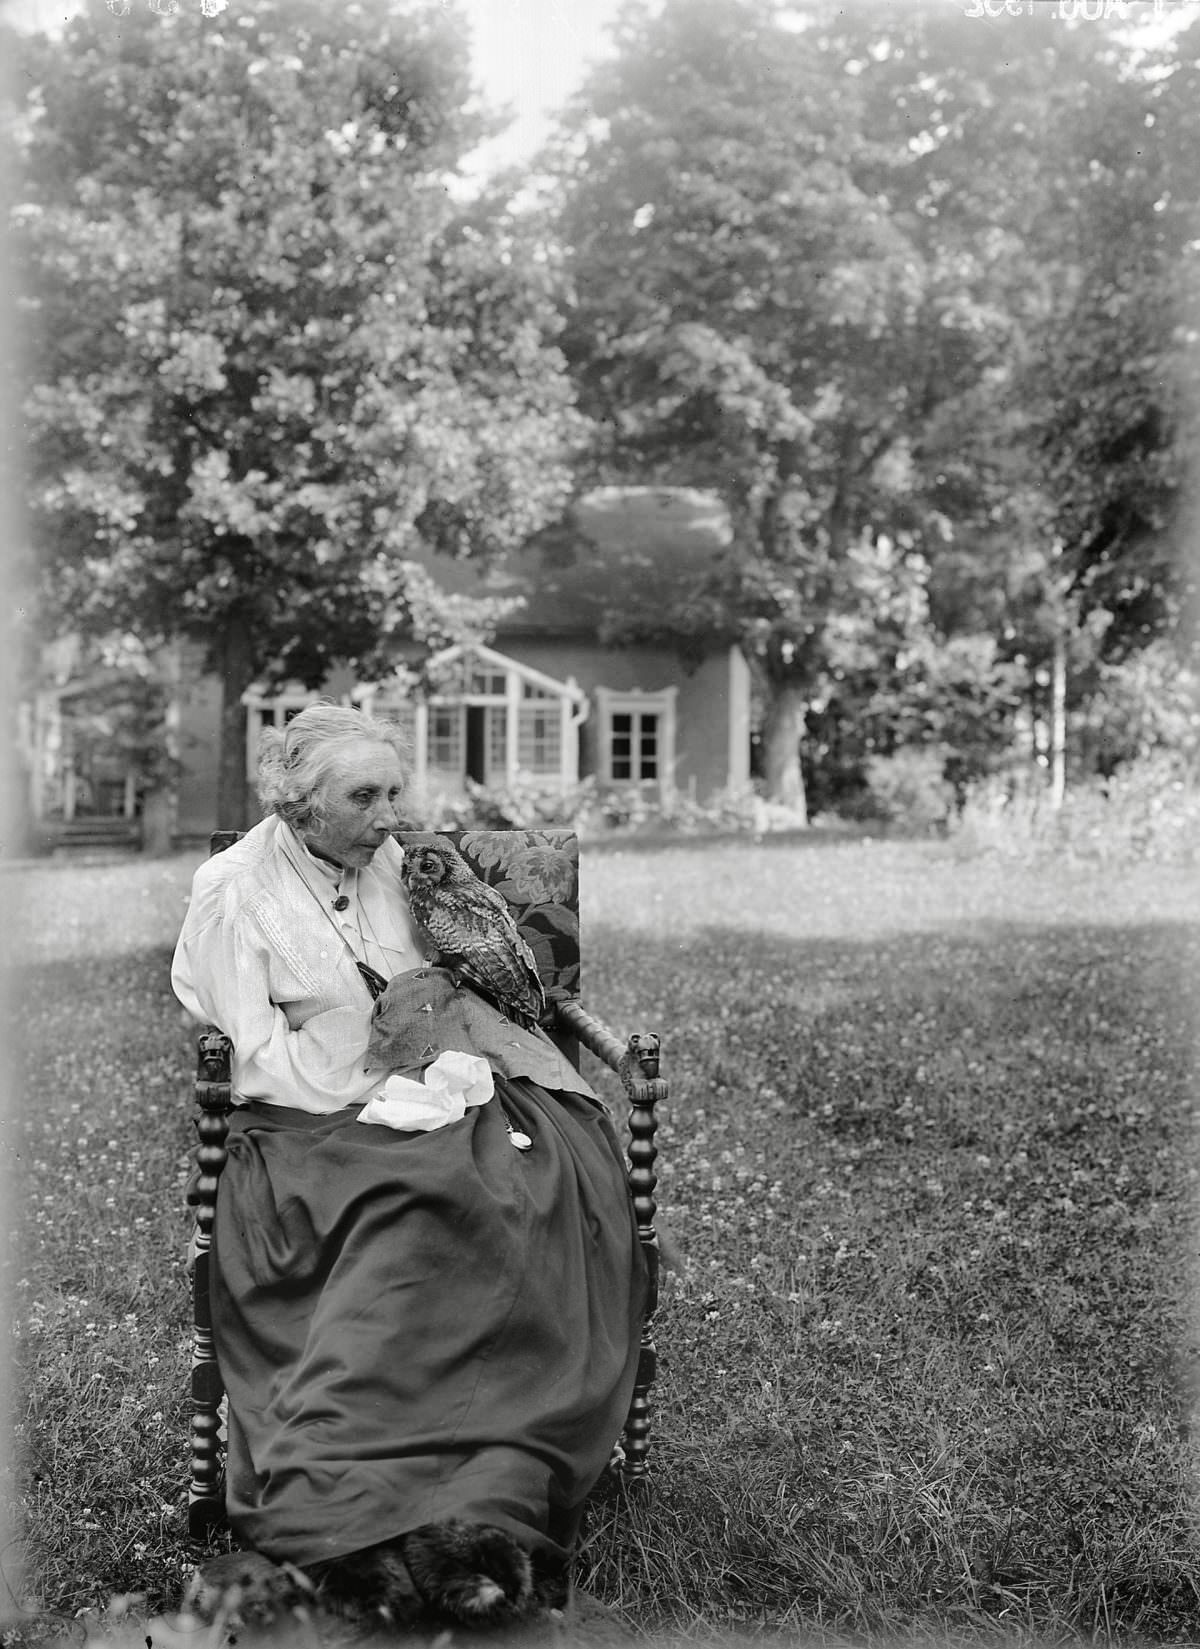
x,y
1070,150
813,252
737,307
1114,393
270,359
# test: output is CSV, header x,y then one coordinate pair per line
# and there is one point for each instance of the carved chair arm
x,y
636,1063
214,1096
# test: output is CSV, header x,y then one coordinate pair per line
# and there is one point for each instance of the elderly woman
x,y
428,1335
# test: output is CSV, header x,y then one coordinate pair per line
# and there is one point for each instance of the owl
x,y
472,929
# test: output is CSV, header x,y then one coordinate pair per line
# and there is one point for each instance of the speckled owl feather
x,y
471,927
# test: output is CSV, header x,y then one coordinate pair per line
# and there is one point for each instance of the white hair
x,y
293,763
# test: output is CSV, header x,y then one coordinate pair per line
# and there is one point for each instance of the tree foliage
x,y
868,271
270,359
1115,390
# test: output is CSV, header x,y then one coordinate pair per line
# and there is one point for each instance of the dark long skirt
x,y
414,1327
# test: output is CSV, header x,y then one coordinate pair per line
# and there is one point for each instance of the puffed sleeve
x,y
231,969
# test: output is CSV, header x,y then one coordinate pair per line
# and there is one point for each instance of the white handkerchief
x,y
452,1083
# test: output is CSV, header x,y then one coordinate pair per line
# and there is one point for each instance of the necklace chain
x,y
322,897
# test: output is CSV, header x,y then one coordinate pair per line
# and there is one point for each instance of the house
x,y
555,696
86,739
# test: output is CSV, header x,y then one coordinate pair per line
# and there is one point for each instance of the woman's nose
x,y
386,817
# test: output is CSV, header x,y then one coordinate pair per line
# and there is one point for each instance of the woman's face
x,y
358,797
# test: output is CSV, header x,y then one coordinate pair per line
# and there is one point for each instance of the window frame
x,y
636,703
257,701
525,689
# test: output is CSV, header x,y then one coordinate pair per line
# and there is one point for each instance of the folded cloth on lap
x,y
454,1082
422,1013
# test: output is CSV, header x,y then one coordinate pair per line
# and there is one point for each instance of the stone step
x,y
91,833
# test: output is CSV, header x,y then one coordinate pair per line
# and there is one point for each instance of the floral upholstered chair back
x,y
537,871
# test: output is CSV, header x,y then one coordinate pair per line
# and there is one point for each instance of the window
x,y
444,746
278,715
487,684
539,738
492,719
634,746
637,737
496,724
275,710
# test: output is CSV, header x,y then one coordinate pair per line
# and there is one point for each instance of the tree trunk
x,y
236,669
783,728
158,822
160,803
1058,718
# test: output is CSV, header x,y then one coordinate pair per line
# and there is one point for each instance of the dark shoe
x,y
472,1571
372,1583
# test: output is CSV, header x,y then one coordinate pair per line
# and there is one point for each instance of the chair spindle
x,y
206,1490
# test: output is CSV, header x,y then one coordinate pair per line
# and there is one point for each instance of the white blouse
x,y
264,956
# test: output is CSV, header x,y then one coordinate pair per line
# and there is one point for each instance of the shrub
x,y
733,809
909,789
529,804
1148,810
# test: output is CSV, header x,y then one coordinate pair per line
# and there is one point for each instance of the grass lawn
x,y
929,1368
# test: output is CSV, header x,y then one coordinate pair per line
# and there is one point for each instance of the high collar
x,y
337,875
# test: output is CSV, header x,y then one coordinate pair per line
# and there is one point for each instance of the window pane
x,y
497,743
648,745
486,684
539,740
445,739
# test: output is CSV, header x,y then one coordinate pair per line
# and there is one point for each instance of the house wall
x,y
712,730
712,740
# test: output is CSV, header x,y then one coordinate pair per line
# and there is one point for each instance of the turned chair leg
x,y
206,1488
639,1072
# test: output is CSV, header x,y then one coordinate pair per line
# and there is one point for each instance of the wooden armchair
x,y
537,871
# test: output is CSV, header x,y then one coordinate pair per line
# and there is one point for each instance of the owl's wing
x,y
473,926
